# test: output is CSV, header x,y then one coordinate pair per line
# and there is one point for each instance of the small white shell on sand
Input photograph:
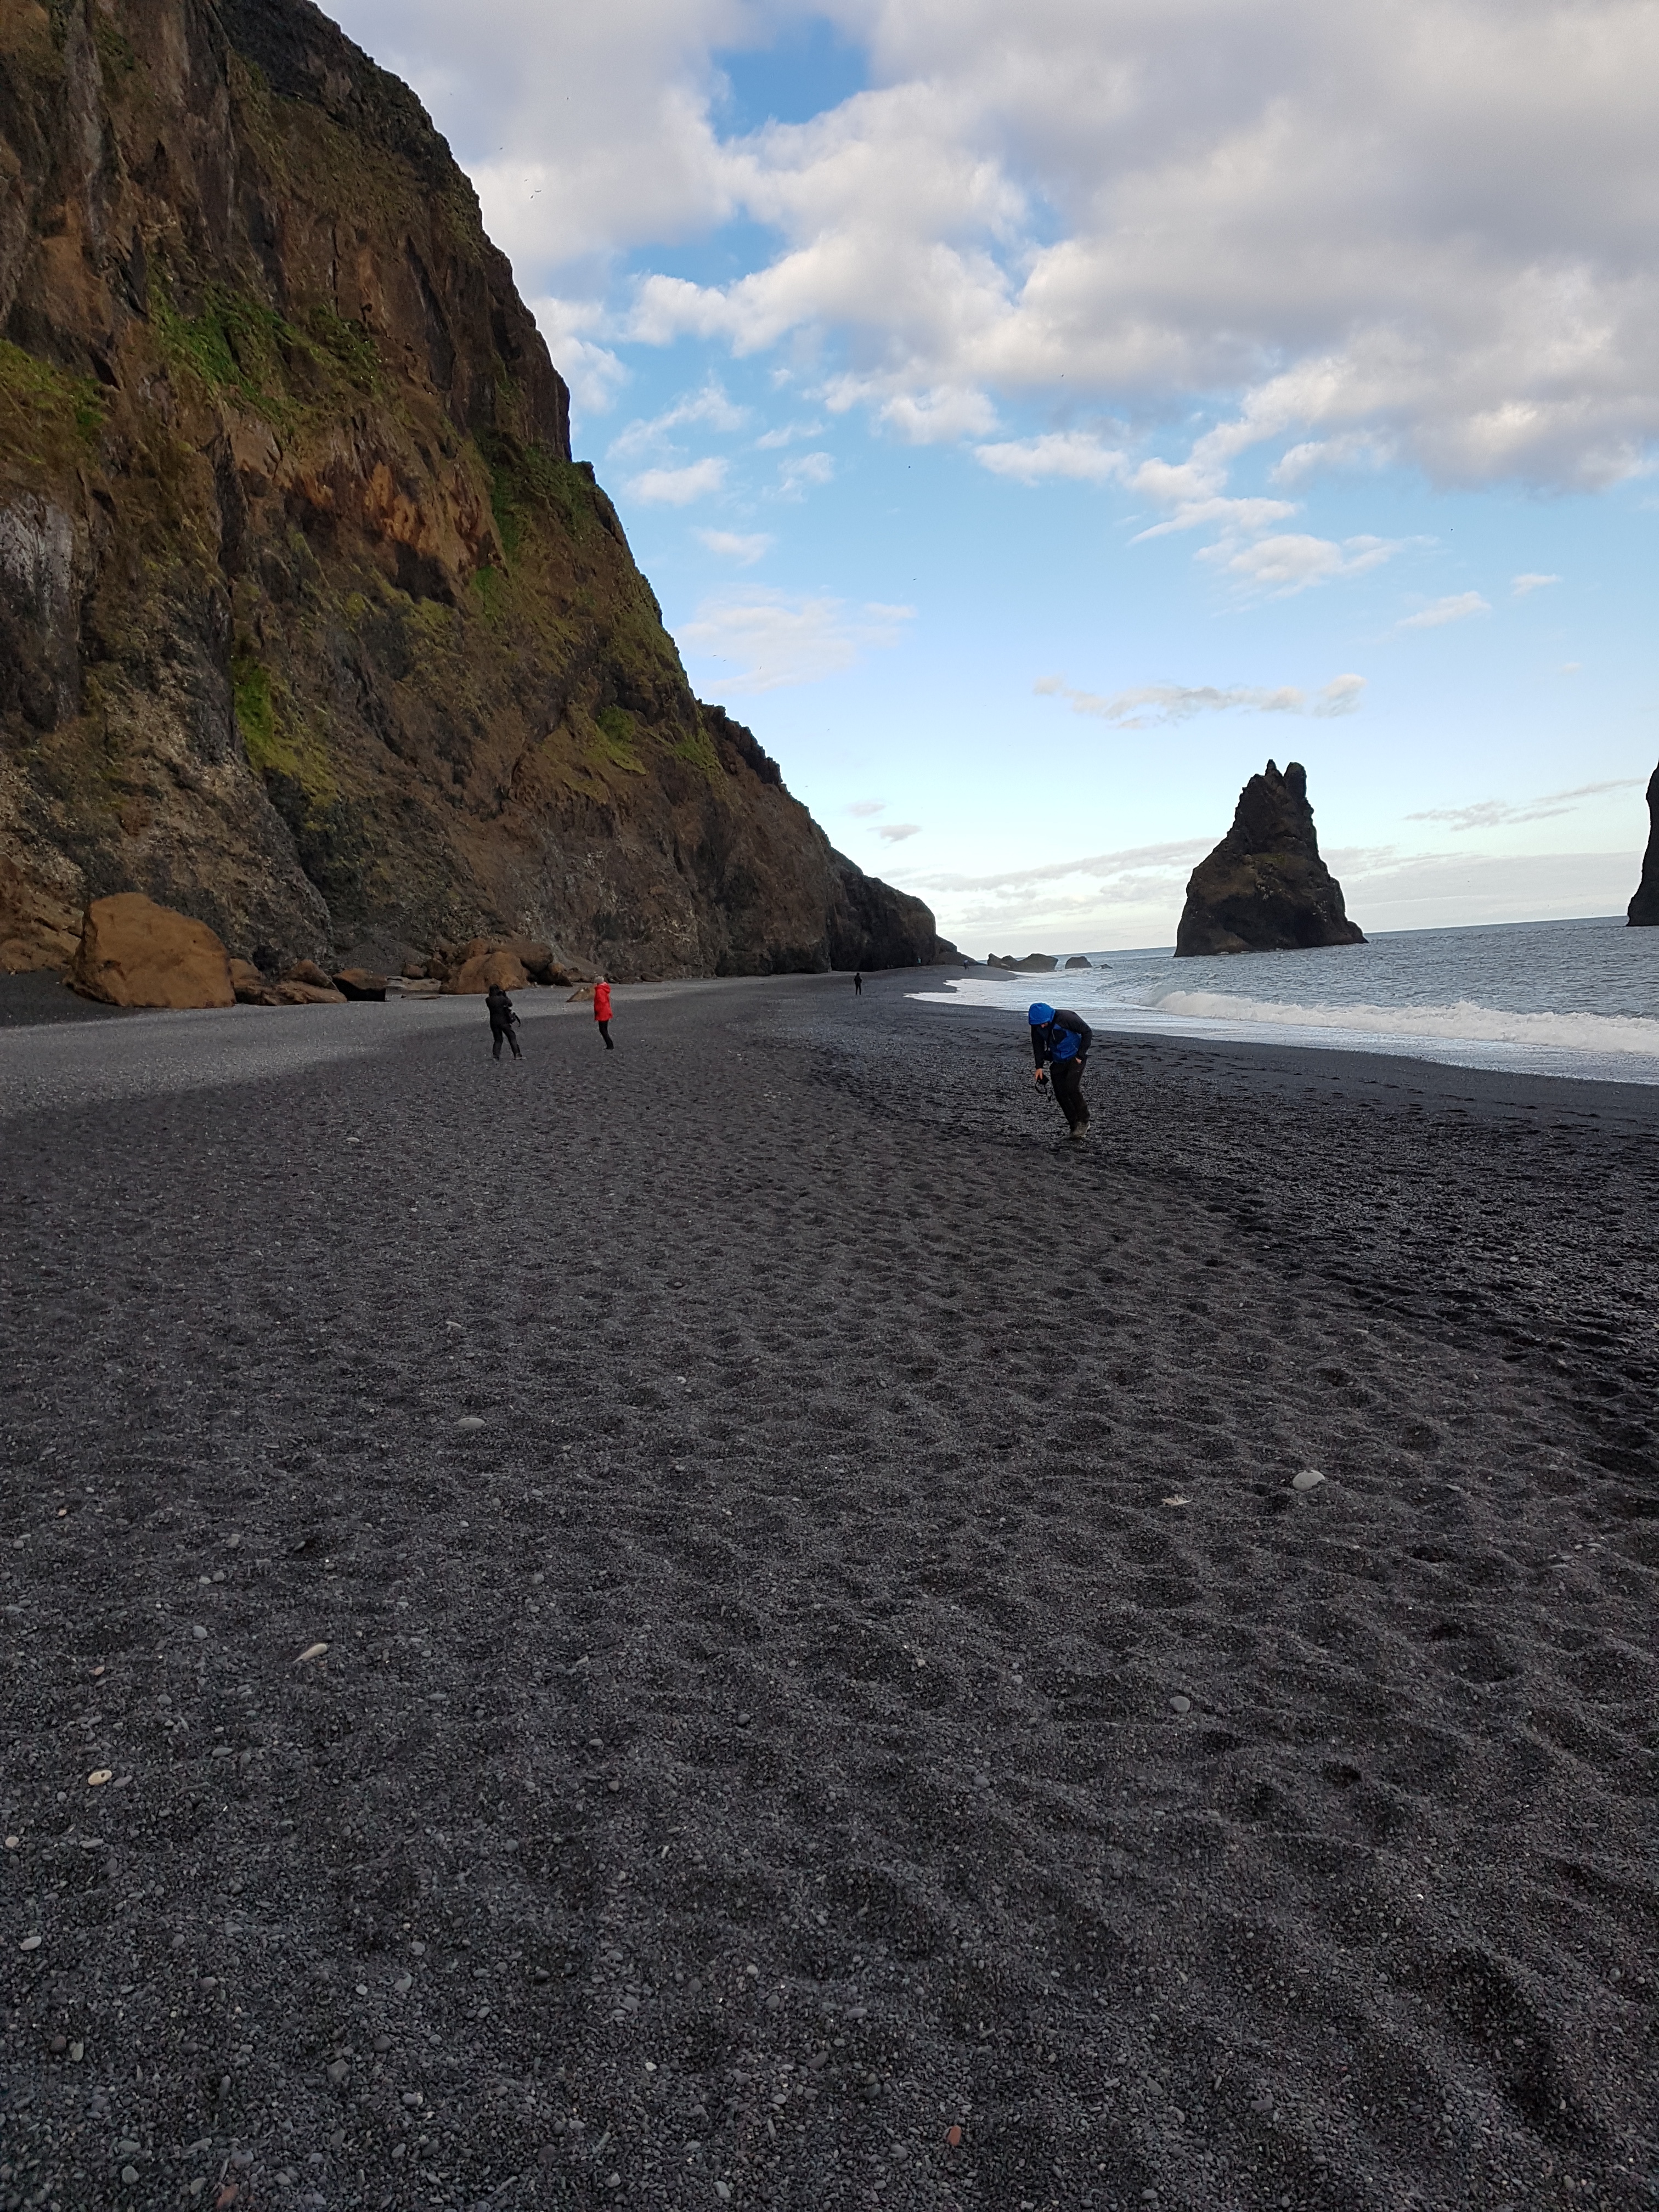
x,y
312,1651
1310,1478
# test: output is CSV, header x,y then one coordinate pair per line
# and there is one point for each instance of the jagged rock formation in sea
x,y
1644,906
1265,888
310,627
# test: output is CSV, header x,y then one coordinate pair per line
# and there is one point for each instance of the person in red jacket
x,y
602,1012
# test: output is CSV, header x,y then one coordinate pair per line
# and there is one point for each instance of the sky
x,y
1034,416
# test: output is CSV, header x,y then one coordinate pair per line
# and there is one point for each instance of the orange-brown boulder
x,y
135,953
293,994
478,972
249,986
307,971
359,983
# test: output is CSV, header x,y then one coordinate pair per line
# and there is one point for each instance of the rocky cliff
x,y
1644,906
309,625
1265,888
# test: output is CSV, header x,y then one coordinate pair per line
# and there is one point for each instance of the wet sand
x,y
866,1672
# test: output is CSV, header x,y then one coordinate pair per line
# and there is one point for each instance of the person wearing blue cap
x,y
1060,1045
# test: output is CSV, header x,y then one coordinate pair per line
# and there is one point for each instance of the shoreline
x,y
824,1646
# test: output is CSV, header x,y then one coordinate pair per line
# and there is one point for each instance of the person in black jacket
x,y
1060,1045
503,1021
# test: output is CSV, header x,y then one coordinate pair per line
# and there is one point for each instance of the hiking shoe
x,y
1080,1132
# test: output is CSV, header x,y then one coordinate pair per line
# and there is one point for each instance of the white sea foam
x,y
1463,1022
1577,998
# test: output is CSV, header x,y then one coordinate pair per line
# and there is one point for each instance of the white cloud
x,y
1458,607
1075,453
1146,705
940,416
593,373
1351,449
734,545
709,408
679,487
786,434
1501,813
868,806
1427,227
897,832
1235,517
803,470
1289,563
775,640
1521,587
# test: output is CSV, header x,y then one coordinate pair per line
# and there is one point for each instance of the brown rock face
x,y
310,626
1644,906
1265,888
359,983
307,994
135,953
485,968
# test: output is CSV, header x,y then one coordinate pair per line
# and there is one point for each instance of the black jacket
x,y
502,1015
1045,1036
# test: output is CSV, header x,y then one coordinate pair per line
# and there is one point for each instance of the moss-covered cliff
x,y
309,624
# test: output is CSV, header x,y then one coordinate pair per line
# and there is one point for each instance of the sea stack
x,y
1265,888
1644,906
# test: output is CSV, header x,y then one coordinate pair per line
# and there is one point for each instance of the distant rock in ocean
x,y
1265,888
1033,963
1079,960
1644,906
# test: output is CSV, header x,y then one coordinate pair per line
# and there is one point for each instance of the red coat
x,y
601,1002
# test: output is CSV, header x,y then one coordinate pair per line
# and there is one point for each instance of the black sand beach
x,y
824,1649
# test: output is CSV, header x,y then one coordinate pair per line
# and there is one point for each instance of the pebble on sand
x,y
100,1776
30,1943
1310,1478
312,1651
1180,1704
470,1421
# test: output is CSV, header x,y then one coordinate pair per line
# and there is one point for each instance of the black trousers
x,y
1067,1077
604,1031
498,1033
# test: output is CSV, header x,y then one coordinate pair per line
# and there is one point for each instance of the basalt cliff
x,y
1643,909
310,627
1265,888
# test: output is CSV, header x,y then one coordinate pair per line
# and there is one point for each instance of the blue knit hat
x,y
1040,1016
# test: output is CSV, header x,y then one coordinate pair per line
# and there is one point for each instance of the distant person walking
x,y
1060,1045
858,983
602,1012
503,1021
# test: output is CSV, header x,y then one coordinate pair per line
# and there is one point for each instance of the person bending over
x,y
602,1012
503,1021
1060,1045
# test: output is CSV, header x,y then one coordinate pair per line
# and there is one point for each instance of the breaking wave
x,y
1463,1022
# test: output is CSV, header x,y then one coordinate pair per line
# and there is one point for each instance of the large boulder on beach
x,y
359,983
1644,906
485,968
1265,888
135,953
293,994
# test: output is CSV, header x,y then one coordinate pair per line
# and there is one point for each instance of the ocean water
x,y
1549,998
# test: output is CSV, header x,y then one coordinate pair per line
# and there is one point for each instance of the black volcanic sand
x,y
869,1673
